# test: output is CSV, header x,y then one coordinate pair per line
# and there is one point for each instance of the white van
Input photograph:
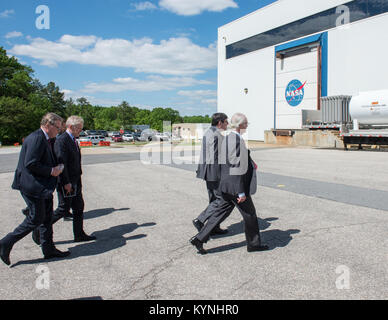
x,y
92,139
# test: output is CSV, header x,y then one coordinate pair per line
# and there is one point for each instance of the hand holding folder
x,y
69,192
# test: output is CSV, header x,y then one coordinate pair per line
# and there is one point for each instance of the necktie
x,y
76,143
51,146
50,143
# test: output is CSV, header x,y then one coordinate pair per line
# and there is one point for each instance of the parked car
x,y
162,136
148,135
92,139
117,138
102,133
91,132
176,138
128,137
113,133
136,136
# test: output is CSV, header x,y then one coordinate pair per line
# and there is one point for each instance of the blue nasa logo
x,y
295,93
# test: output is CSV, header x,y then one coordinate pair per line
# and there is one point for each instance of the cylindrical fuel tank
x,y
370,107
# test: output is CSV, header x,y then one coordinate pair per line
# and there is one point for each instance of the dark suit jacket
x,y
237,171
33,173
208,167
67,152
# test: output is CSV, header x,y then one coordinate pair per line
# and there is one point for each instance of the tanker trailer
x,y
369,113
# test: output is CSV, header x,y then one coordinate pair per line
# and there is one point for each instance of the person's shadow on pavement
x,y
278,238
273,238
101,212
107,240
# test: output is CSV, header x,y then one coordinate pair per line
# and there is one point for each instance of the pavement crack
x,y
309,234
241,286
147,283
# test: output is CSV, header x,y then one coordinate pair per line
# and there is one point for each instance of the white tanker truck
x,y
369,115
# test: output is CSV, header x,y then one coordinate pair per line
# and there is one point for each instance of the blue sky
x,y
156,53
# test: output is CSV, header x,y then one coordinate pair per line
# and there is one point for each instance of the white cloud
x,y
68,93
13,34
79,42
141,6
186,7
194,7
175,56
202,97
102,102
91,99
198,94
212,102
152,83
6,13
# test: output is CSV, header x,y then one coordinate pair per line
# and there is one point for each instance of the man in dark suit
x,y
209,168
70,187
36,179
238,183
68,216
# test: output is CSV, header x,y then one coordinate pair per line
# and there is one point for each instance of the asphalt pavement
x,y
323,213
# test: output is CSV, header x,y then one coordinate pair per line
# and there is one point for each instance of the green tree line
x,y
24,101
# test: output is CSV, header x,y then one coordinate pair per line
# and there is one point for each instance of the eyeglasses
x,y
58,128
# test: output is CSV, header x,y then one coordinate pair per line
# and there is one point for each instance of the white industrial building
x,y
280,59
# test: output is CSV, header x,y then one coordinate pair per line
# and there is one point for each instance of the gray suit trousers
x,y
223,208
214,194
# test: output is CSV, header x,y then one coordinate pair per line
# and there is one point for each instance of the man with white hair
x,y
238,183
70,187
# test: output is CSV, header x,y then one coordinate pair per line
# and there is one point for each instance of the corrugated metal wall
x,y
335,109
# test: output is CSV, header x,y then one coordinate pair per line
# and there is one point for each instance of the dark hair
x,y
217,117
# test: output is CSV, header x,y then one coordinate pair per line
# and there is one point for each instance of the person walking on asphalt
x,y
36,179
70,187
238,183
209,169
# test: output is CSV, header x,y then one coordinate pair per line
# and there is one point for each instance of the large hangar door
x,y
297,84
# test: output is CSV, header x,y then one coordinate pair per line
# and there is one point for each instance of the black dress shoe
x,y
218,230
258,248
56,254
198,244
4,254
198,224
84,237
36,236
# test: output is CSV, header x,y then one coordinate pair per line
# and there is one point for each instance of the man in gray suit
x,y
238,183
209,168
